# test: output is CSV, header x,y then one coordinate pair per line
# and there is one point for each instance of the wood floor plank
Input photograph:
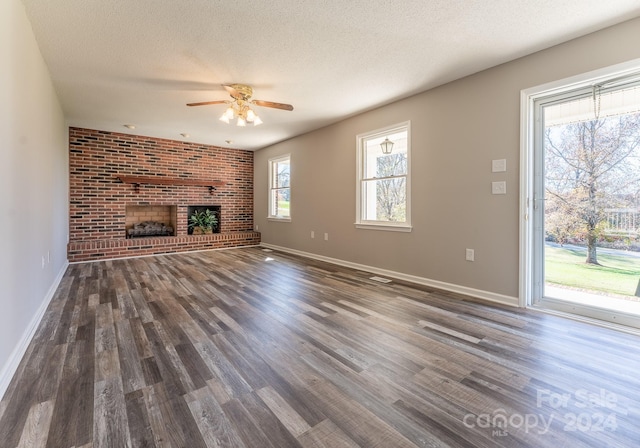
x,y
171,419
326,435
356,388
224,349
245,426
268,422
285,413
83,412
126,305
138,420
224,317
174,375
215,429
389,349
449,331
150,371
139,298
3,407
140,338
130,366
110,424
233,382
194,365
66,419
291,378
244,367
161,421
47,372
194,331
356,420
36,428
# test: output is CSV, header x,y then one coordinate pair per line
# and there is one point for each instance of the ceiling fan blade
x,y
232,91
272,104
206,103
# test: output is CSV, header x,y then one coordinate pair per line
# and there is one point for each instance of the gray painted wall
x,y
33,184
457,130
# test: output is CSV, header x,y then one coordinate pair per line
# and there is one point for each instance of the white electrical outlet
x,y
499,187
470,255
257,227
326,237
313,234
43,262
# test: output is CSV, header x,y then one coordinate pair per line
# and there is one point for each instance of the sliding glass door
x,y
586,201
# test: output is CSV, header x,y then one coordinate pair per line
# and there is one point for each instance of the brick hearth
x,y
120,248
98,199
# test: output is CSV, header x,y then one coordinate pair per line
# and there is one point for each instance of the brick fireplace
x,y
174,176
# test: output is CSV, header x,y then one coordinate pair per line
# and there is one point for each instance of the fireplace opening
x,y
215,209
150,220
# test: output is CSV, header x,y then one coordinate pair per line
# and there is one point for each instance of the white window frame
x,y
270,189
361,140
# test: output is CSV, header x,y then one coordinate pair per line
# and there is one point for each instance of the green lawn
x,y
618,274
283,208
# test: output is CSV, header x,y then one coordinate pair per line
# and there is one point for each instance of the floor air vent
x,y
380,279
267,250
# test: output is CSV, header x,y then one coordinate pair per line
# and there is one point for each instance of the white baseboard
x,y
11,366
477,293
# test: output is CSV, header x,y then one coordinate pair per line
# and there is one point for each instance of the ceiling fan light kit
x,y
243,113
239,107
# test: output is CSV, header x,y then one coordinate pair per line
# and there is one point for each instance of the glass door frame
x,y
531,244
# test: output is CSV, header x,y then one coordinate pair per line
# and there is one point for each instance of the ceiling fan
x,y
240,105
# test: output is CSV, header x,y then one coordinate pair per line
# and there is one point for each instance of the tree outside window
x,y
592,179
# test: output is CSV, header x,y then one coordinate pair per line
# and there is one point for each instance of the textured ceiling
x,y
138,62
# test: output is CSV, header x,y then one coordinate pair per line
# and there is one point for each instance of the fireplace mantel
x,y
160,180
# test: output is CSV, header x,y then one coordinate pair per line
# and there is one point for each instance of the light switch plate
x,y
499,166
470,255
499,187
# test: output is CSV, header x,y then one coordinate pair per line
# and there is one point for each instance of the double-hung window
x,y
383,189
280,188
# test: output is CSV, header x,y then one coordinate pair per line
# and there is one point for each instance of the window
x,y
383,180
280,188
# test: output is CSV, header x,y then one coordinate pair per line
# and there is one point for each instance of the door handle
x,y
535,202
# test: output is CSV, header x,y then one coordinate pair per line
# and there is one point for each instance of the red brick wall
x,y
98,199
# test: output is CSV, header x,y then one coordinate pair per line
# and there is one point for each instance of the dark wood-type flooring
x,y
246,348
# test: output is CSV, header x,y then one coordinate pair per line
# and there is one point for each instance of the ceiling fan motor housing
x,y
241,91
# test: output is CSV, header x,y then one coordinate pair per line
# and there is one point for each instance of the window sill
x,y
386,227
275,218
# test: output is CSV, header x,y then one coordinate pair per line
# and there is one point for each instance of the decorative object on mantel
x,y
203,222
149,228
159,180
